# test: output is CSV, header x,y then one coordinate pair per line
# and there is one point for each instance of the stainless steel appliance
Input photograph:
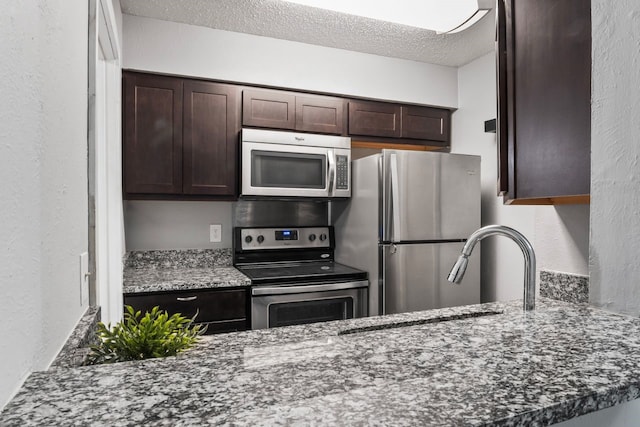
x,y
287,164
405,224
294,279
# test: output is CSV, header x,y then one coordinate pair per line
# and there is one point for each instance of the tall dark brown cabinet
x,y
180,137
210,138
544,109
152,140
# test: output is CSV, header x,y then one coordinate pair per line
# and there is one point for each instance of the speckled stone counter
x,y
76,349
175,270
564,286
474,368
176,279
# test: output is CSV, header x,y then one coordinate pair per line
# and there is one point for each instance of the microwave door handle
x,y
395,198
332,171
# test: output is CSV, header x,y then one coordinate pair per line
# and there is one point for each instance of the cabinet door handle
x,y
187,298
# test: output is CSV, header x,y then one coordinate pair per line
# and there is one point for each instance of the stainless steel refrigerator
x,y
405,224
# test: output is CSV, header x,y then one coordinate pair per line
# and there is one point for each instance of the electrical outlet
x,y
215,233
84,279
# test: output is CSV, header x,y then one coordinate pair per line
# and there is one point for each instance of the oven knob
x,y
312,237
248,239
260,238
323,237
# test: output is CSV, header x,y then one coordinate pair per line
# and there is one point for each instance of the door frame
x,y
104,70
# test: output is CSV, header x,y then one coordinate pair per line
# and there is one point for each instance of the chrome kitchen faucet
x,y
458,269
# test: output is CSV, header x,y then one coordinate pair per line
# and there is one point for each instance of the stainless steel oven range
x,y
294,279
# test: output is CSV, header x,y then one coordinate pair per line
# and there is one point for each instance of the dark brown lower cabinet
x,y
221,310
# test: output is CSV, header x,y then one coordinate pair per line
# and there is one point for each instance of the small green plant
x,y
154,334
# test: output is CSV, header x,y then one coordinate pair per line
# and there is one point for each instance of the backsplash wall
x,y
175,224
158,225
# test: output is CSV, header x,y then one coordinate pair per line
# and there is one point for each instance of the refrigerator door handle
x,y
395,198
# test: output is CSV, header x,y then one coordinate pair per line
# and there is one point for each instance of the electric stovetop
x,y
300,272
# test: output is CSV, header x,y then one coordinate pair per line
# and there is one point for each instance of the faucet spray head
x,y
457,271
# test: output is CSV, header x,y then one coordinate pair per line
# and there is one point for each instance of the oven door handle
x,y
300,289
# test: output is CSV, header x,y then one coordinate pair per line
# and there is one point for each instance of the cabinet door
x,y
211,132
425,123
548,53
268,109
320,114
504,65
152,134
221,310
374,119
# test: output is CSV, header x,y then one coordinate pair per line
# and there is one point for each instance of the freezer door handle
x,y
395,198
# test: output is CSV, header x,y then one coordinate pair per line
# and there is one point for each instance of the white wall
x,y
615,155
502,261
43,170
174,48
154,224
562,238
559,234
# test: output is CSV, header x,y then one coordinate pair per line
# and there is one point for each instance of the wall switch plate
x,y
84,279
215,233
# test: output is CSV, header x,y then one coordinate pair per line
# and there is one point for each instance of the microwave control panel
x,y
342,172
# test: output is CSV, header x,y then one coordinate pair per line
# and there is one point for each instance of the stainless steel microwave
x,y
288,164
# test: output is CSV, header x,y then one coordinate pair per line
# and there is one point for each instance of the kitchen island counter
x,y
486,364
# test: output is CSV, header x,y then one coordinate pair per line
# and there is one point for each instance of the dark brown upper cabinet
x,y
320,114
426,123
379,119
544,94
403,123
210,138
289,111
180,137
268,109
152,134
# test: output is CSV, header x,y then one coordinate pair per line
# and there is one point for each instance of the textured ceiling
x,y
282,20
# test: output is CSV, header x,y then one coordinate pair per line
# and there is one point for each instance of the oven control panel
x,y
285,238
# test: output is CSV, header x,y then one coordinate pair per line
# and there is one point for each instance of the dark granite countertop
x,y
180,270
560,361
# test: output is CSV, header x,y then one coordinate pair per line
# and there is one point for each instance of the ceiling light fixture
x,y
441,16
